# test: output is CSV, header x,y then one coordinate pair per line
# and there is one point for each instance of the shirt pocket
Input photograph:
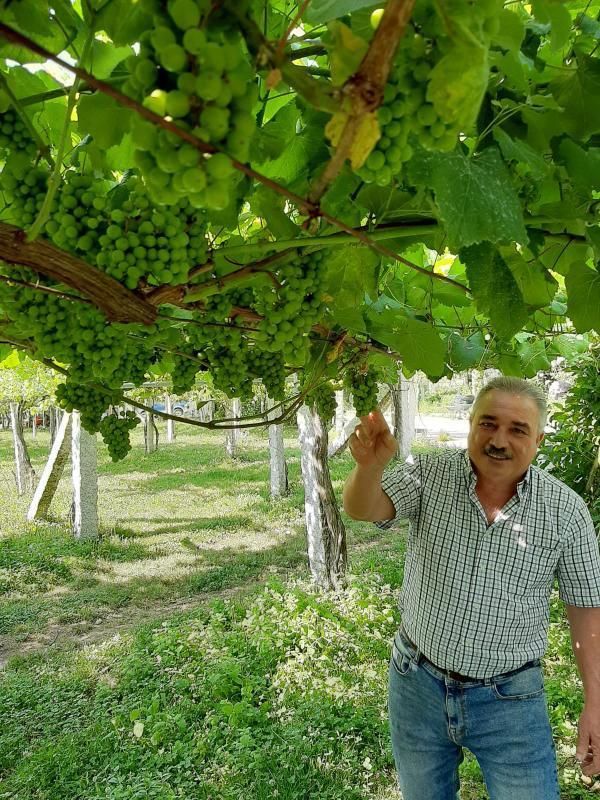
x,y
529,565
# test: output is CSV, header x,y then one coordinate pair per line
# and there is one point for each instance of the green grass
x,y
266,690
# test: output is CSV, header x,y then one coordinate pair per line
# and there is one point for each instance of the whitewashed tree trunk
x,y
84,460
278,467
207,411
404,403
325,530
170,422
33,426
53,470
232,435
24,474
150,433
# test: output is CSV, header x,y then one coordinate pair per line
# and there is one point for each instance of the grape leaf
x,y
124,21
568,345
352,271
105,57
537,285
291,145
520,152
475,196
264,203
324,10
557,15
582,165
457,84
346,51
494,288
103,118
466,352
578,92
511,30
583,289
532,355
418,343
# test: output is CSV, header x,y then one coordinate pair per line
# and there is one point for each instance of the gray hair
x,y
517,386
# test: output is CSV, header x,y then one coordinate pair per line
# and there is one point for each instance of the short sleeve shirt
x,y
475,596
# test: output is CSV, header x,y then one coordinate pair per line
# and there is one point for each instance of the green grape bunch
x,y
363,385
322,399
415,111
115,431
90,401
192,68
14,135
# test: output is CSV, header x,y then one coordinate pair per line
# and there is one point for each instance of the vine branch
x,y
364,89
111,297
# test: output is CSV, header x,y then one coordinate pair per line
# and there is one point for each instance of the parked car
x,y
461,406
178,407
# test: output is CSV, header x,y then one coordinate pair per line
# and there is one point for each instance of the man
x,y
488,534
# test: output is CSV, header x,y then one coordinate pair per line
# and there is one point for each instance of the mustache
x,y
490,450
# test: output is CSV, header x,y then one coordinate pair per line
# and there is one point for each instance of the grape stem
x,y
17,105
364,89
55,176
243,274
39,287
283,41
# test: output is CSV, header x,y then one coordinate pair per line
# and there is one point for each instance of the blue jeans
x,y
503,721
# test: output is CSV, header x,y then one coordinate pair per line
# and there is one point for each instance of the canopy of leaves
x,y
173,202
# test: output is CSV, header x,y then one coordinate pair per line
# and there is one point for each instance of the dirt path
x,y
77,635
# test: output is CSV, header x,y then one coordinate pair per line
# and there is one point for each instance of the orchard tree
x,y
24,385
256,189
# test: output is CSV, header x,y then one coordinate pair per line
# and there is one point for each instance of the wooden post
x,y
170,422
150,433
232,435
278,467
53,471
24,474
85,481
404,404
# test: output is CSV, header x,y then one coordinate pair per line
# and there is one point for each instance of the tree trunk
x,y
170,423
33,426
278,466
53,423
85,481
53,471
206,411
24,474
404,403
150,433
232,435
325,530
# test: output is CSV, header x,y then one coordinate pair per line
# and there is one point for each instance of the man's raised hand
x,y
372,444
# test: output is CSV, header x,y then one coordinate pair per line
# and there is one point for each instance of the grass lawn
x,y
186,654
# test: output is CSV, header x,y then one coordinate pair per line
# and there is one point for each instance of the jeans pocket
x,y
400,661
524,685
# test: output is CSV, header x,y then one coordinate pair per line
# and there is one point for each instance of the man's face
x,y
503,436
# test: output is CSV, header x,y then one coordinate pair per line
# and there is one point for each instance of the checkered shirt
x,y
475,596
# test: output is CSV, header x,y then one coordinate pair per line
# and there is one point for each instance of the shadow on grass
x,y
212,570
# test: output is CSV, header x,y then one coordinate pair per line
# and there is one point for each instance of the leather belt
x,y
455,676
